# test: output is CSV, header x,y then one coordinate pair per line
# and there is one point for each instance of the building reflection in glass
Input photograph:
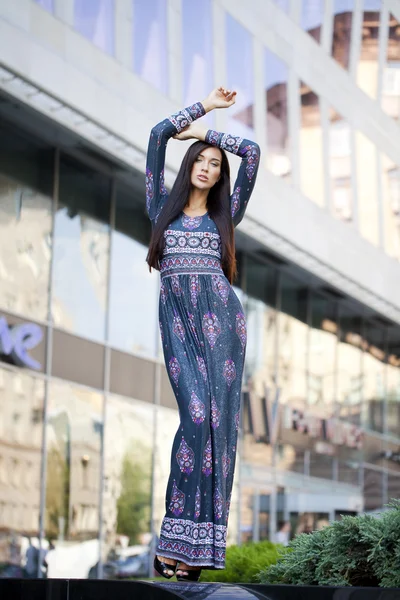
x,y
127,474
391,206
340,167
150,57
342,25
393,383
276,86
312,175
367,188
21,426
81,251
95,20
312,16
239,68
391,75
74,440
322,355
374,377
349,373
367,71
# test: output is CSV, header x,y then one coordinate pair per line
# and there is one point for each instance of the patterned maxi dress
x,y
203,332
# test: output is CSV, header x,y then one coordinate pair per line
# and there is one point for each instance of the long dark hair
x,y
218,207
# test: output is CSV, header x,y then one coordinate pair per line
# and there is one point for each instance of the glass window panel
x,y
321,465
127,477
276,86
21,428
26,189
74,440
367,72
349,375
47,4
393,487
374,377
81,248
134,290
289,458
312,175
342,24
197,50
348,472
150,50
312,17
391,206
373,489
393,382
94,19
391,74
239,53
322,359
247,515
340,167
367,188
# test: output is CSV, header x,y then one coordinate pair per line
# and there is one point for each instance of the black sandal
x,y
162,568
192,574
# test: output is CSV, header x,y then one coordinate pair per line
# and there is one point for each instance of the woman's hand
x,y
192,131
219,98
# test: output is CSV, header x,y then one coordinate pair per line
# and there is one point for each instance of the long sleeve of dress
x,y
246,177
156,193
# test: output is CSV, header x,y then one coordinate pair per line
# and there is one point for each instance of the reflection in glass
x,y
127,474
81,247
47,4
393,382
94,19
391,75
197,50
239,56
374,377
393,487
25,249
247,514
289,458
312,16
21,424
150,42
391,206
367,188
322,359
367,73
283,4
293,342
133,289
276,86
340,167
74,439
349,375
321,465
311,159
373,489
342,24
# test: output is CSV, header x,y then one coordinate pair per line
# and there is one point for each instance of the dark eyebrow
x,y
202,156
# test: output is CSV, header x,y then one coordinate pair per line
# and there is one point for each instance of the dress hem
x,y
190,563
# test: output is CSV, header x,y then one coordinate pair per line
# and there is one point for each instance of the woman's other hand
x,y
219,98
192,131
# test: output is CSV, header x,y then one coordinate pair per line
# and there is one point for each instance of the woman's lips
x,y
202,177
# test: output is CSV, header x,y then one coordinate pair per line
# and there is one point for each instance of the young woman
x,y
203,328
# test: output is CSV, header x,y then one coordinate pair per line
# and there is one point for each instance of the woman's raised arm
x,y
156,193
246,177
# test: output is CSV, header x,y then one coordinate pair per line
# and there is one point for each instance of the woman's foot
x,y
186,572
165,566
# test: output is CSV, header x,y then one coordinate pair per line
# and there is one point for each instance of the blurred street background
x,y
87,416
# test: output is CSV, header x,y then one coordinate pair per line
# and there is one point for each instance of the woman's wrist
x,y
207,105
199,133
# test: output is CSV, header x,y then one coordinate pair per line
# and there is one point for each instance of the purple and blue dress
x,y
203,332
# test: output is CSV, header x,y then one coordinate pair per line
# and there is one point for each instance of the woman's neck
x,y
197,201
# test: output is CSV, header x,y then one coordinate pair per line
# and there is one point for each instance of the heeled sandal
x,y
192,574
162,568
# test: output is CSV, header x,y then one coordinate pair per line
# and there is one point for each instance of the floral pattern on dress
x,y
207,459
215,414
197,503
252,156
178,329
191,222
163,293
197,409
149,189
235,201
221,287
185,457
202,367
174,369
229,371
226,461
241,329
177,503
211,328
194,289
176,286
218,504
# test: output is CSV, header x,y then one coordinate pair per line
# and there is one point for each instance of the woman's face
x,y
206,168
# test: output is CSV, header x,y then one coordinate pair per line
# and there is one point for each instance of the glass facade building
x,y
87,415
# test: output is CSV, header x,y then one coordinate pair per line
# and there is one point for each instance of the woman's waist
x,y
190,265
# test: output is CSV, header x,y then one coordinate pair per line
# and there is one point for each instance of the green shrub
x,y
243,563
356,551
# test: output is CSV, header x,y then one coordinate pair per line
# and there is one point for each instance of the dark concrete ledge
x,y
84,589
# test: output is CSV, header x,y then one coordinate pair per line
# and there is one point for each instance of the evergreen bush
x,y
244,562
356,551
